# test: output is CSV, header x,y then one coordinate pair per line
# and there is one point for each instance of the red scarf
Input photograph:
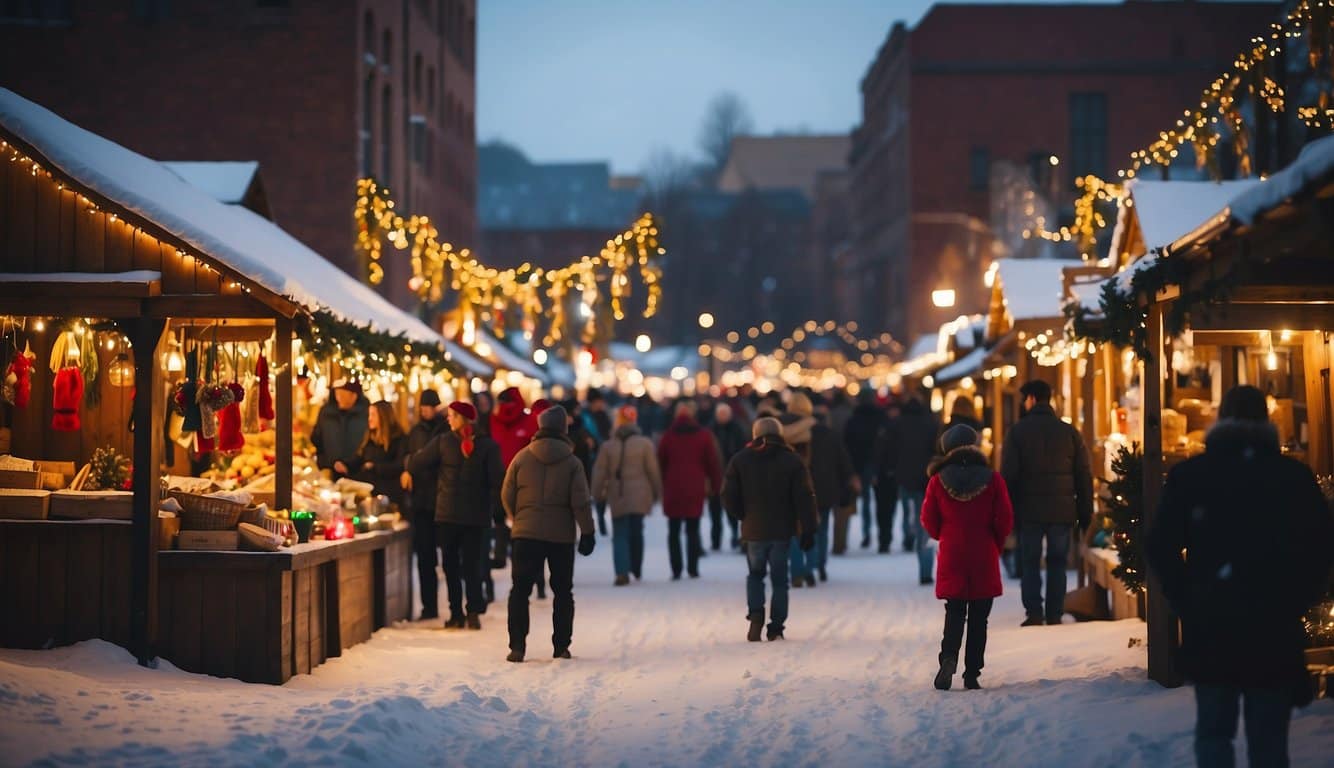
x,y
466,441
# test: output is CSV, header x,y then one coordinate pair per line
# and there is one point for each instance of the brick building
x,y
975,85
319,93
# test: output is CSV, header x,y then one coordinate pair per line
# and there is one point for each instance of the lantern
x,y
121,371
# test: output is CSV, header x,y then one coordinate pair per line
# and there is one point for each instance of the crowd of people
x,y
782,475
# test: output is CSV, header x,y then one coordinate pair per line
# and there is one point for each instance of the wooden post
x,y
282,411
1162,630
145,336
997,420
1087,399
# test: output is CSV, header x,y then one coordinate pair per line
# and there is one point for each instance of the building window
x,y
387,47
37,13
368,126
417,76
430,88
418,139
386,134
368,35
979,168
1088,134
1040,168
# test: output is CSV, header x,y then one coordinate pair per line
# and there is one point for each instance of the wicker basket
x,y
207,513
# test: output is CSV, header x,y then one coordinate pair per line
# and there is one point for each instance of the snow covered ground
x,y
661,675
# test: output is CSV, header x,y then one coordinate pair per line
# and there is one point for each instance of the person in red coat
x,y
690,463
967,509
512,425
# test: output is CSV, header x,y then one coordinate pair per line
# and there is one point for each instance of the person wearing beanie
x,y
1258,531
626,477
1046,467
512,426
768,490
469,474
340,427
832,477
421,498
691,471
546,498
967,509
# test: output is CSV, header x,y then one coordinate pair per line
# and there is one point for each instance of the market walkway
x,y
661,675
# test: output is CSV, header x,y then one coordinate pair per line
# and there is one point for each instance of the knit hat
x,y
1246,403
766,427
626,414
466,410
351,385
429,397
958,436
800,405
553,419
540,406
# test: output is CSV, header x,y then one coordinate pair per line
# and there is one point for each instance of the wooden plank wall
x,y
355,602
228,622
55,587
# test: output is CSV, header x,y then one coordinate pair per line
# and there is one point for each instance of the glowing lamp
x,y
705,320
943,297
339,528
643,343
121,371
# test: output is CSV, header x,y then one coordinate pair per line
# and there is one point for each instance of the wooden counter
x,y
263,617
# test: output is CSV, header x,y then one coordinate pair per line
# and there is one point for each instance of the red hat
x,y
466,410
540,405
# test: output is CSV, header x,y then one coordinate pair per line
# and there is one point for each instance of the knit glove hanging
x,y
18,381
66,399
265,395
230,437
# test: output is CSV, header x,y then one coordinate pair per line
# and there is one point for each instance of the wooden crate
x,y
92,505
23,504
210,540
6,438
56,475
19,478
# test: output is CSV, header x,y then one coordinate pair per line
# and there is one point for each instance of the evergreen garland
x,y
325,335
110,471
1126,510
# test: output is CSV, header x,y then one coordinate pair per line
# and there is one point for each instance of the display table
x,y
1098,565
263,617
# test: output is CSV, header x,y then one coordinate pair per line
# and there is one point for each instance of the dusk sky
x,y
615,79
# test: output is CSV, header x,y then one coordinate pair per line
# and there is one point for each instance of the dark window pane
x,y
1088,134
979,168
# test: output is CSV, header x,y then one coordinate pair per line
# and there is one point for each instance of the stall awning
x,y
502,356
1313,165
1167,210
246,246
1032,289
968,365
226,182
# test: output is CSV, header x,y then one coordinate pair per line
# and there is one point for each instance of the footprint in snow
x,y
498,704
341,704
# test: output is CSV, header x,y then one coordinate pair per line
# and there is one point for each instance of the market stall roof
x,y
923,356
1031,289
224,181
1313,165
1167,210
967,365
249,246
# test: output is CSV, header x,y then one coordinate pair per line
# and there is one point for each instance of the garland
x,y
327,336
1125,507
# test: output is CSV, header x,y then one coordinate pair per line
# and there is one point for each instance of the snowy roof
x,y
968,335
1315,163
1088,295
1168,210
658,361
1032,288
226,181
965,366
243,242
925,345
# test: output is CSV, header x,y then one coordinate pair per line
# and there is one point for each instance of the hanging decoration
x,y
108,470
18,378
488,295
1125,507
66,399
230,438
265,392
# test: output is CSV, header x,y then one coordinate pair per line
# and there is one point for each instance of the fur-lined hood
x,y
796,429
964,472
1242,437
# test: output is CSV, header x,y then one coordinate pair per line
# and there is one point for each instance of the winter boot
x,y
622,579
824,576
945,677
473,621
516,656
561,653
810,580
456,622
775,634
1033,621
970,682
798,582
756,626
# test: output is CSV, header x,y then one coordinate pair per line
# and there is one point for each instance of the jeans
x,y
820,555
692,545
424,546
1030,552
912,531
627,545
770,557
530,555
868,476
974,613
886,500
718,521
800,561
461,553
1267,714
602,517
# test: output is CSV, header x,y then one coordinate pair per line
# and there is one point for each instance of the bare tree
x,y
667,173
725,118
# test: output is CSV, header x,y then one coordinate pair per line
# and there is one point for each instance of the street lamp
x,y
540,356
643,343
705,320
943,297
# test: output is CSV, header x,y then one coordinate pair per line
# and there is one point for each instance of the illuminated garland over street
x,y
488,294
1253,73
845,331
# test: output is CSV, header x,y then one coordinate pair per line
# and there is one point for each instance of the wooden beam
x,y
149,409
59,290
209,306
47,307
1259,317
230,331
281,371
1282,294
1162,629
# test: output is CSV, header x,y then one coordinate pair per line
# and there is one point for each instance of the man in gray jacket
x,y
546,499
1046,467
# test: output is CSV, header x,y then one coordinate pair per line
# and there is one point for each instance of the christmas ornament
x,y
108,470
230,438
67,397
265,395
18,380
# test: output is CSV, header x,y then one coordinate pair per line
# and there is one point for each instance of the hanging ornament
x,y
212,399
67,397
265,395
18,379
230,438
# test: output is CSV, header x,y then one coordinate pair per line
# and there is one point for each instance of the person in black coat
x,y
381,454
467,502
731,440
884,472
914,435
1046,467
832,478
768,489
867,422
340,428
421,500
1242,547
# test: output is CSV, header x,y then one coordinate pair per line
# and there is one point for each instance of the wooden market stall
x,y
109,261
1252,288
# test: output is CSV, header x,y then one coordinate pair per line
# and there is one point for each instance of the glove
x,y
808,541
586,544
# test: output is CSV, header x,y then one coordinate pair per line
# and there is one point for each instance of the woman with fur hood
x,y
967,509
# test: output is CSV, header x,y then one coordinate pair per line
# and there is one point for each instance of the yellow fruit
x,y
248,472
